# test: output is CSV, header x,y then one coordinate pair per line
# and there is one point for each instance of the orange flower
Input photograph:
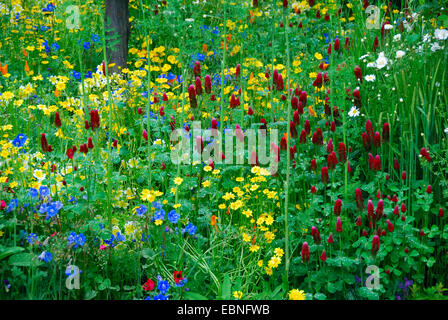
x,y
25,53
229,37
251,76
4,69
204,47
27,67
56,93
213,220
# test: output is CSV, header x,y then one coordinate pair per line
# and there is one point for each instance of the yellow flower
x,y
274,262
239,179
268,271
238,294
254,248
260,263
206,183
147,195
222,206
246,237
318,56
296,294
207,168
178,181
279,252
158,222
247,213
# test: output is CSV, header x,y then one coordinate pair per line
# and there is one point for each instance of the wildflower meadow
x,y
223,150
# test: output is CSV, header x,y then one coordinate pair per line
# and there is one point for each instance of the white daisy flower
x,y
354,112
435,46
400,54
441,34
382,61
370,77
397,37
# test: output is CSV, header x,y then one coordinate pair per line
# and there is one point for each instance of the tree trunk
x,y
117,18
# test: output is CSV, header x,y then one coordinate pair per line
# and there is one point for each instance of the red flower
x,y
208,84
377,140
386,131
178,276
313,165
336,44
198,86
294,102
339,225
192,96
375,244
293,130
2,204
390,226
332,160
359,221
429,189
403,175
57,120
441,212
296,118
330,238
145,134
337,207
358,198
148,285
197,69
307,127
238,70
323,256
324,175
70,153
316,235
44,143
305,252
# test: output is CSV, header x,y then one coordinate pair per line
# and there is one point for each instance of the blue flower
x,y
163,286
44,191
86,45
77,240
80,240
49,8
215,30
148,298
173,216
45,256
181,282
76,75
95,38
191,229
20,140
160,297
157,205
55,47
159,215
32,237
120,237
33,193
141,210
89,74
14,203
51,211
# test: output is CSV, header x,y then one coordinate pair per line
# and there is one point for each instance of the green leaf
x,y
367,293
320,296
430,262
24,260
195,296
9,251
226,289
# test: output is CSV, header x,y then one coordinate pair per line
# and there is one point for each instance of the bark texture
x,y
117,18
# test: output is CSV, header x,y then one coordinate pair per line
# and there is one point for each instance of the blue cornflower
x,y
159,215
55,46
120,237
86,45
71,237
49,8
52,210
215,30
33,193
141,210
14,203
89,74
32,237
163,286
157,205
76,75
148,298
160,297
173,216
182,282
20,140
95,38
45,256
44,191
80,240
191,229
